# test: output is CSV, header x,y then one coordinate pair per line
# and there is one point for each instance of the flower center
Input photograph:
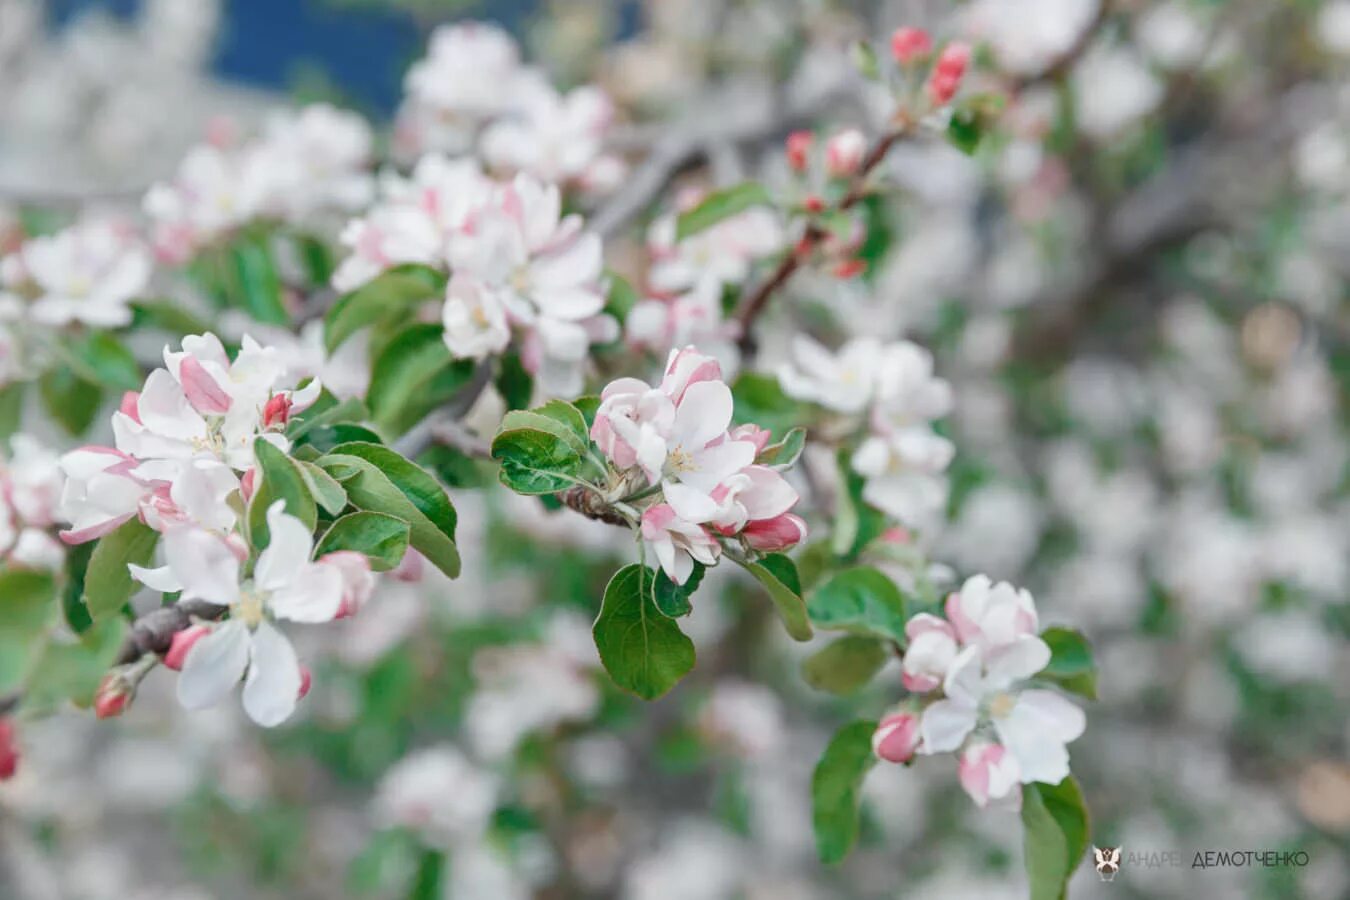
x,y
678,460
1002,705
249,609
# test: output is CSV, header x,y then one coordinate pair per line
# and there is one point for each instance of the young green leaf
x,y
382,538
835,788
323,487
778,575
417,484
861,600
108,582
71,400
386,297
26,609
642,650
1055,823
536,461
784,453
673,599
256,276
721,205
280,478
413,375
71,671
845,665
1071,664
369,488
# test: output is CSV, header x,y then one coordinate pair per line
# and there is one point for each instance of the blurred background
x,y
1137,287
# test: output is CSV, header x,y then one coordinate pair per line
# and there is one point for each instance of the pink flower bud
x,y
9,749
897,737
751,432
306,682
813,204
910,44
844,152
773,535
799,148
947,73
357,581
277,411
849,268
180,645
112,697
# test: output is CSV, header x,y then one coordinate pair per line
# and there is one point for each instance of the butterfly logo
x,y
1107,861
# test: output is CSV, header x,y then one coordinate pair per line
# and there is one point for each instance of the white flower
x,y
932,649
87,273
554,137
474,319
100,492
907,391
213,192
722,254
285,585
699,455
677,542
904,473
1123,91
318,160
439,793
1033,725
844,381
471,71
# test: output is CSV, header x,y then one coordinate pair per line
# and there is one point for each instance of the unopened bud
x,y
180,645
113,696
277,411
896,737
246,484
814,204
9,749
910,45
947,73
850,268
799,149
844,152
306,681
773,535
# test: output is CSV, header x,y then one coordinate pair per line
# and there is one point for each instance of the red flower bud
x,y
845,151
277,411
9,749
813,203
113,696
910,44
947,73
246,484
798,148
850,268
180,645
897,737
773,535
306,681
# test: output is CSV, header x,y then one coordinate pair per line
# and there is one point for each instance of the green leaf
x,y
106,362
845,665
555,417
1055,823
865,58
382,538
166,315
323,487
369,488
1071,663
416,483
535,461
642,650
327,410
26,610
784,453
108,582
71,671
413,375
778,575
388,296
71,400
72,592
280,479
835,788
11,408
514,384
672,599
861,600
622,296
323,438
721,205
259,284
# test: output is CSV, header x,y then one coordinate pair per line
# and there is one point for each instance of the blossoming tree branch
x,y
271,465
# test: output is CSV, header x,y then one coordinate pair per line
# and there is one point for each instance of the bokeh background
x,y
1138,289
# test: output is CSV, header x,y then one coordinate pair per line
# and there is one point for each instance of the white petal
x,y
944,726
288,548
964,681
689,504
704,414
273,684
161,579
203,564
314,595
214,666
1017,661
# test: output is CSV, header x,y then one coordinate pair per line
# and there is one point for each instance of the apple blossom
x,y
555,137
213,192
87,273
474,318
285,585
677,543
991,615
904,473
988,772
907,390
470,72
897,737
844,152
721,254
358,582
909,44
843,381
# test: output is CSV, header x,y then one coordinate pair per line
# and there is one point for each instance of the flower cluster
x,y
901,457
473,93
88,273
517,261
674,447
980,659
306,166
688,277
30,489
183,445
